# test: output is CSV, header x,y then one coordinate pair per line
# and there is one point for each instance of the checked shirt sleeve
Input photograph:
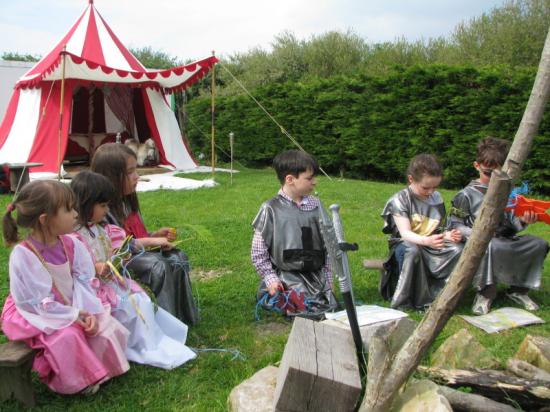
x,y
261,260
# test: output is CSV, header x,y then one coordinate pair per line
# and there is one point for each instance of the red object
x,y
134,226
539,207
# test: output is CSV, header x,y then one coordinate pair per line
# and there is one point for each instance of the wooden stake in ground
x,y
381,391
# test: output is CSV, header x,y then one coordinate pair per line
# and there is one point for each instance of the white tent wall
x,y
21,136
169,131
112,123
10,72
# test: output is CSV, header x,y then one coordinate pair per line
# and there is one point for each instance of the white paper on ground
x,y
368,314
502,319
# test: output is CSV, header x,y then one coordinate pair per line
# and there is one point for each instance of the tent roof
x,y
94,53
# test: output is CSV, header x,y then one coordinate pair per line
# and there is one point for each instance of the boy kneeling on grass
x,y
510,259
288,251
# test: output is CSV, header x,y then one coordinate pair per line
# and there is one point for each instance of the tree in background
x,y
15,56
155,59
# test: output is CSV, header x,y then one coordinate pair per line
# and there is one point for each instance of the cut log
x,y
526,370
319,369
470,402
16,360
373,264
497,385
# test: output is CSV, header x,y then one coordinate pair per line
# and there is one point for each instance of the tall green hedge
x,y
370,127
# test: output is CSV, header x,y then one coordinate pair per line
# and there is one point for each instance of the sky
x,y
191,30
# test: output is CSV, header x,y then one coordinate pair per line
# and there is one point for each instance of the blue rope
x,y
237,354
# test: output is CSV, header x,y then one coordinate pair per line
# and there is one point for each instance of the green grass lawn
x,y
214,224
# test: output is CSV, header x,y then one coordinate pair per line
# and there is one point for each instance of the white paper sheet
x,y
502,319
368,314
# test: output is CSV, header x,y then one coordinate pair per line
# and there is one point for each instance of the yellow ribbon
x,y
115,271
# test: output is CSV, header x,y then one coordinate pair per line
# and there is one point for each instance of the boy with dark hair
x,y
510,259
288,251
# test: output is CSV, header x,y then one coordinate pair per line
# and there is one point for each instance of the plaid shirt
x,y
260,254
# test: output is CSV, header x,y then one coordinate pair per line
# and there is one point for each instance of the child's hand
x,y
102,269
453,235
87,322
163,243
90,325
167,232
274,287
435,241
529,217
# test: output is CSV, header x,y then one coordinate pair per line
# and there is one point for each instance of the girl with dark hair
x,y
156,337
165,271
422,254
52,305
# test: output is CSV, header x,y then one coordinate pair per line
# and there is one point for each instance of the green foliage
x,y
513,34
370,126
155,59
20,57
225,282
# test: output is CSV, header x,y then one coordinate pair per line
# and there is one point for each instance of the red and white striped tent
x,y
106,91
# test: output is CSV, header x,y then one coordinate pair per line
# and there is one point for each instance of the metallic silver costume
x,y
166,273
297,251
415,274
510,259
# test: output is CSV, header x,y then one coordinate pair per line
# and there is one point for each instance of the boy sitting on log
x,y
510,259
288,251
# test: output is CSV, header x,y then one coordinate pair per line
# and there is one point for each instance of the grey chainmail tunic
x,y
166,273
510,259
297,250
425,270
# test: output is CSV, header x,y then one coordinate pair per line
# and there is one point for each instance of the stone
x,y
536,351
463,351
421,396
255,394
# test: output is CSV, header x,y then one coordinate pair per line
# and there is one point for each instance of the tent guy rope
x,y
283,130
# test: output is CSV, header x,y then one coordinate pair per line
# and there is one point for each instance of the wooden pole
x,y
231,141
380,392
62,102
213,110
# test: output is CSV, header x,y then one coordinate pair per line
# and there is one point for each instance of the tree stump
x,y
15,373
319,369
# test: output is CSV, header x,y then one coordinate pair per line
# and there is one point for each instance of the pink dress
x,y
67,360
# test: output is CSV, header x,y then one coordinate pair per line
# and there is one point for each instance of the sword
x,y
333,236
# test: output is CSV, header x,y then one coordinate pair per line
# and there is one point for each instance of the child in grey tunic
x,y
288,250
422,254
510,259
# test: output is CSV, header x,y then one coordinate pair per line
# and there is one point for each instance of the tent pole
x,y
59,162
213,105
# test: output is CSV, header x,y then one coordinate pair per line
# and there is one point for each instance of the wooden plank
x,y
14,353
15,373
319,369
373,264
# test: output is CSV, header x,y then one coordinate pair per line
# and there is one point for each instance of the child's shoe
x,y
524,300
90,390
482,305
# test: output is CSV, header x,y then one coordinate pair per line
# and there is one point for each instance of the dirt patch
x,y
207,275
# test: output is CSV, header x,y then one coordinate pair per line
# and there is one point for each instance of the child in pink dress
x,y
156,337
52,305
